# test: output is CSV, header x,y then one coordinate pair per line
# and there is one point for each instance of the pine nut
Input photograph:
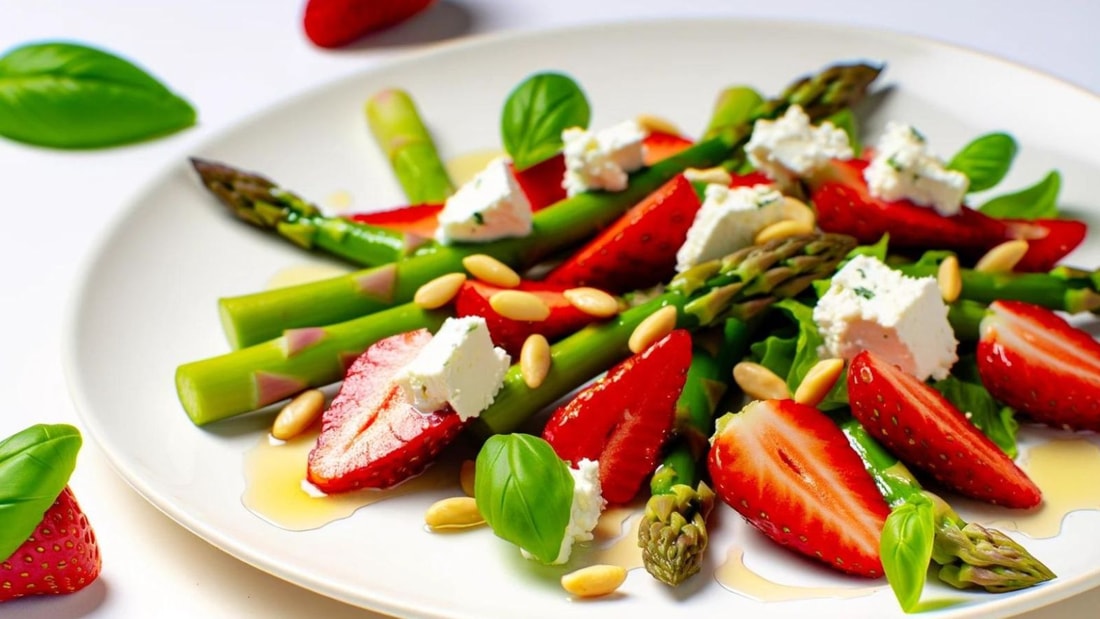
x,y
1002,258
655,326
594,580
534,360
796,209
439,291
466,476
949,279
592,301
453,513
298,414
519,305
818,382
759,383
491,271
717,176
783,229
652,124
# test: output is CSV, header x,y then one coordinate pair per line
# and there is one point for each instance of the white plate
x,y
147,302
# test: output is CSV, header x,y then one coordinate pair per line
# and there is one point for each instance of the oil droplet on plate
x,y
338,201
615,539
735,576
463,167
1066,471
302,274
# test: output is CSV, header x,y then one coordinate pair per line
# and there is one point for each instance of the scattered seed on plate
x,y
534,360
818,382
759,383
439,291
949,279
519,305
592,301
491,271
453,513
594,580
655,326
298,415
1002,258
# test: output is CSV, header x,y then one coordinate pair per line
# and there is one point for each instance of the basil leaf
x,y
1040,201
65,95
906,549
35,466
845,120
973,400
536,113
986,160
525,492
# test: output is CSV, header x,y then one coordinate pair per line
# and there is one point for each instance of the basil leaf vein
x,y
535,114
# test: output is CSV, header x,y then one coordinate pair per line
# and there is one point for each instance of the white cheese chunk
x,y
602,160
903,320
584,512
490,206
904,169
727,221
790,147
459,366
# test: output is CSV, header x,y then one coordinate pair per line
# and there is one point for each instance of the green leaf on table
x,y
1040,201
906,549
35,466
65,95
986,160
525,493
535,114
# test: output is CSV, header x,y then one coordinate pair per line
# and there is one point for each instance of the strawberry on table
x,y
335,23
1031,359
623,420
790,472
923,429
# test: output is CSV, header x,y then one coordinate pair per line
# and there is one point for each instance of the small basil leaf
x,y
35,466
525,493
906,549
986,160
536,113
973,400
845,120
1040,201
65,95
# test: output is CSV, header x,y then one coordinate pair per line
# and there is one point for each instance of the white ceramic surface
x,y
147,302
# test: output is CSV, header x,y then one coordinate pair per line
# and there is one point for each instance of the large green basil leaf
x,y
535,114
65,95
906,549
525,493
35,466
1036,202
986,160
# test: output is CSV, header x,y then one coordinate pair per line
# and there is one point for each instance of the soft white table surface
x,y
232,57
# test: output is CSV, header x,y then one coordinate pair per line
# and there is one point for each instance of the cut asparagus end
x,y
673,532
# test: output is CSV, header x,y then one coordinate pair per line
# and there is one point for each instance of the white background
x,y
230,58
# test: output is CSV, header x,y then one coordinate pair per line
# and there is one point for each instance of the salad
x,y
513,274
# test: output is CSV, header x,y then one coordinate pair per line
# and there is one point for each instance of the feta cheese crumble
x,y
870,306
602,160
459,366
727,221
790,147
903,168
490,206
584,513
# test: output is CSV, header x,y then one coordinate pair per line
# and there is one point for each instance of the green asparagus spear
x,y
398,129
733,107
924,525
1065,290
257,317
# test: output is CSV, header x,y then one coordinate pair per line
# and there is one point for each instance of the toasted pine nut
x,y
439,291
453,513
782,230
949,279
466,477
759,383
490,270
818,382
651,123
519,305
594,580
1002,258
592,301
298,414
534,360
655,326
796,209
718,176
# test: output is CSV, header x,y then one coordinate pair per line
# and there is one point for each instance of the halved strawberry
x,y
60,556
623,419
661,145
790,472
1034,361
371,436
750,179
473,300
542,182
926,431
844,204
639,249
419,219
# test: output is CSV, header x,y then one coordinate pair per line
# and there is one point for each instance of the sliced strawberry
x,y
542,182
844,204
662,145
418,219
639,249
790,472
750,179
473,300
623,420
926,431
61,555
371,436
1034,361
